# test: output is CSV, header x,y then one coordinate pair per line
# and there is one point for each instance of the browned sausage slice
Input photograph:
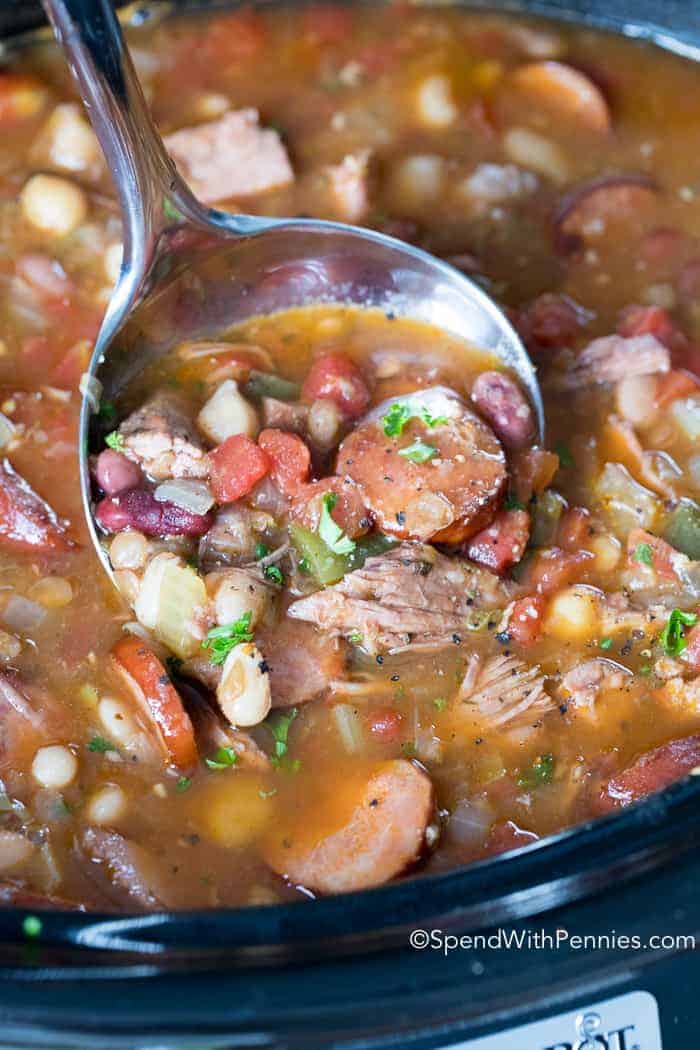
x,y
651,772
440,482
380,834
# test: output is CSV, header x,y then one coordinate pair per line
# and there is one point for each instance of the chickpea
x,y
113,262
53,205
129,550
54,766
53,592
235,593
244,693
434,102
572,615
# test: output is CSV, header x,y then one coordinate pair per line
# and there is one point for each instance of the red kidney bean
x,y
115,473
502,404
139,509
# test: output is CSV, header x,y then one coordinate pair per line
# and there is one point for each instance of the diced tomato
x,y
290,459
505,836
74,363
337,378
532,471
327,23
27,523
158,700
235,467
691,654
233,37
652,320
674,385
350,512
525,620
643,547
553,568
574,528
503,543
385,725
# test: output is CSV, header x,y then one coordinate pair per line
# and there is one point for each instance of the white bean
x,y
236,592
107,805
116,720
129,550
53,205
244,691
324,423
434,102
418,180
536,153
53,592
112,262
54,766
67,142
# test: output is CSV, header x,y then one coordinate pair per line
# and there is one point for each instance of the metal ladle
x,y
190,272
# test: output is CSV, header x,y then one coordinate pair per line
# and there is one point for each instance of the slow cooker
x,y
585,940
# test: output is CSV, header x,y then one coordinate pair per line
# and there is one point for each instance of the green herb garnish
x,y
329,530
605,643
115,441
223,758
304,566
540,772
672,637
221,640
644,554
108,411
564,453
272,572
514,504
402,411
440,703
183,784
355,638
261,551
279,728
418,452
100,746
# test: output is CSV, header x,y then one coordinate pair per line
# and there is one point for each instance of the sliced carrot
x,y
566,91
158,699
674,385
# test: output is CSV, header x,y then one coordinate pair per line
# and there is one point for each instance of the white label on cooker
x,y
628,1022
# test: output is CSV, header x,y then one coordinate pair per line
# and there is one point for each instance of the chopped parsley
x,y
355,638
272,572
329,530
605,643
100,746
564,453
261,551
418,452
644,554
540,772
672,637
440,703
279,728
183,784
223,758
514,504
115,441
402,411
304,566
221,640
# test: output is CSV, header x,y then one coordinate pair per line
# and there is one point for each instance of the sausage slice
x,y
439,481
381,835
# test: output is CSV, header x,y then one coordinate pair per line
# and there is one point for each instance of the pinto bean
x,y
380,826
504,406
450,489
115,473
139,509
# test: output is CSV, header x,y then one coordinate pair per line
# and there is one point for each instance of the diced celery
x,y
683,529
267,384
624,502
545,518
323,565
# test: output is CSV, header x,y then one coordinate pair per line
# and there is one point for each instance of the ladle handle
x,y
144,175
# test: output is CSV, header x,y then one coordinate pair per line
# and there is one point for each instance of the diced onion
x,y
172,602
21,614
348,725
686,412
625,502
91,389
470,822
7,430
192,495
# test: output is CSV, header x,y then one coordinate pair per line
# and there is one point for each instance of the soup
x,y
366,625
